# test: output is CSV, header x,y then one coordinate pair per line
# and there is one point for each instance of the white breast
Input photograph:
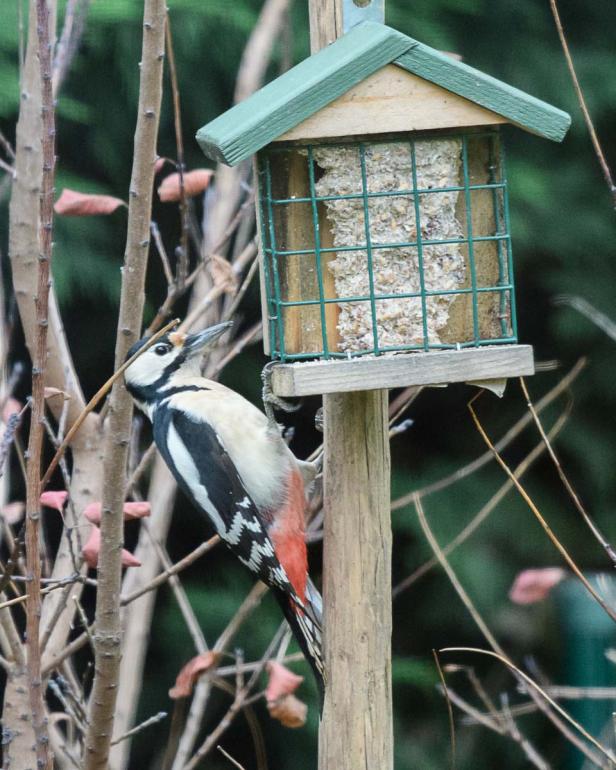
x,y
260,455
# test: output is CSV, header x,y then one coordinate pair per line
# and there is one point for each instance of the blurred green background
x,y
563,229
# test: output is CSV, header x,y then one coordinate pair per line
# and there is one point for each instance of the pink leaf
x,y
281,681
11,406
533,585
13,512
289,711
93,511
189,674
75,204
195,182
54,499
92,548
160,162
136,510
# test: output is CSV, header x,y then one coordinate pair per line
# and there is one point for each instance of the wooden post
x,y
356,727
357,723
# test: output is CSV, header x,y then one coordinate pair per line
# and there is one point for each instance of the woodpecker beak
x,y
194,344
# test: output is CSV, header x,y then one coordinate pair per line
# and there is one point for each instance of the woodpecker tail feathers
x,y
306,624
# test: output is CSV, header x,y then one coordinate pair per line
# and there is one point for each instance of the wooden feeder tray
x,y
492,362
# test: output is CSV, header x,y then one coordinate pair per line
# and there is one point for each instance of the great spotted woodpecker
x,y
233,464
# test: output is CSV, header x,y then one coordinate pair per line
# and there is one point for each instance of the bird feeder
x,y
385,247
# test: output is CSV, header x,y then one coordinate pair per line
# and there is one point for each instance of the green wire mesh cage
x,y
386,245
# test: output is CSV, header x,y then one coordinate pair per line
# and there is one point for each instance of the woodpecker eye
x,y
162,350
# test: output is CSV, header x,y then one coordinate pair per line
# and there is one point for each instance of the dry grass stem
x,y
533,686
452,726
546,527
565,480
98,396
515,430
582,101
485,511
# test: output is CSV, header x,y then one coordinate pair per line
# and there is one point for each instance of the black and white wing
x,y
206,473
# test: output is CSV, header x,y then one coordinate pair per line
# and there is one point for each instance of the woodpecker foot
x,y
270,400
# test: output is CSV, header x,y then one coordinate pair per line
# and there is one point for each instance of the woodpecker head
x,y
174,356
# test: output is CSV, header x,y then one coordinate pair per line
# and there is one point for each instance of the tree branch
x,y
108,628
39,361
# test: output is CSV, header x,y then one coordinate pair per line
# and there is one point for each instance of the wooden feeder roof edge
x,y
328,74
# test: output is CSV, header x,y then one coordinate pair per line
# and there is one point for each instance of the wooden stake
x,y
356,728
357,723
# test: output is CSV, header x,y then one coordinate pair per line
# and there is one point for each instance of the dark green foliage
x,y
563,235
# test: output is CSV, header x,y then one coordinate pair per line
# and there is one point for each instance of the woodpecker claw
x,y
270,399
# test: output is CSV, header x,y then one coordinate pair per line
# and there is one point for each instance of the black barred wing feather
x,y
206,473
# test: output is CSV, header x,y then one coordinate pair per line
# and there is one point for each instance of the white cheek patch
x,y
148,368
187,469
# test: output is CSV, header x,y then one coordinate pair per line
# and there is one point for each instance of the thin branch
x,y
96,398
605,169
546,527
589,311
82,639
182,264
230,758
485,510
143,726
561,725
452,726
108,633
533,686
565,480
72,31
35,443
502,443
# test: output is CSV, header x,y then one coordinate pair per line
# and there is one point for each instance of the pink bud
x,y
92,548
281,681
93,511
136,510
54,499
185,680
13,512
11,406
76,204
195,182
533,585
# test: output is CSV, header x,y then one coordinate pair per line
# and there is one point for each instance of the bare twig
x,y
74,23
605,169
589,311
546,527
561,725
484,511
98,396
230,758
182,263
502,443
35,443
452,726
533,686
143,726
108,627
565,480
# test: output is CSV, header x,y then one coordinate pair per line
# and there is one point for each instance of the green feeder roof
x,y
331,72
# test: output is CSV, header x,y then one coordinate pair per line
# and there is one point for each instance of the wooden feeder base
x,y
493,362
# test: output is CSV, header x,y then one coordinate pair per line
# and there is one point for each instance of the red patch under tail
x,y
287,532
